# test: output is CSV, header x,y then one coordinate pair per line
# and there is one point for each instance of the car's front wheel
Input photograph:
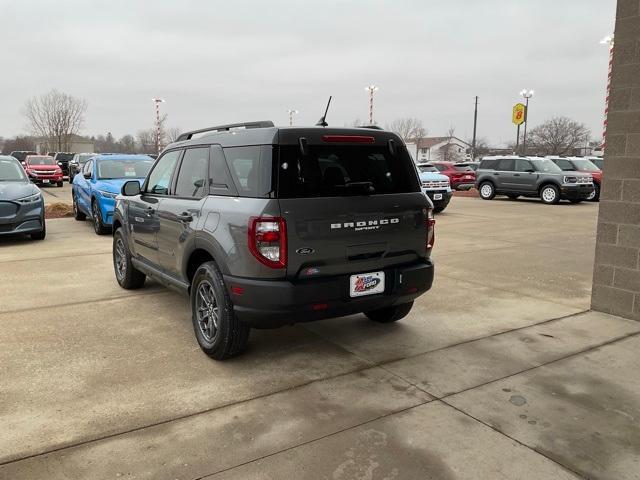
x,y
595,195
99,227
550,194
487,191
218,330
127,275
390,314
77,214
41,234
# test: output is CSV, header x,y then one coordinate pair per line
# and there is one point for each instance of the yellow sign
x,y
518,114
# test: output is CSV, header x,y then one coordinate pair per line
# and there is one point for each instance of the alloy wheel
x,y
207,311
486,191
549,195
120,259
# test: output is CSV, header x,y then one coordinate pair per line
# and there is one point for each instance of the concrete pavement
x,y
496,373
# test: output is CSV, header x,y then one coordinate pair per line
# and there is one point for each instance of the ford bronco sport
x,y
265,226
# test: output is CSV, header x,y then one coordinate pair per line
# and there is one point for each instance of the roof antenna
x,y
323,120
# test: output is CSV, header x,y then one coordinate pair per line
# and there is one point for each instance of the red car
x,y
461,176
42,169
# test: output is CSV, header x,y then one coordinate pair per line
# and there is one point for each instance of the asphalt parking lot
x,y
498,372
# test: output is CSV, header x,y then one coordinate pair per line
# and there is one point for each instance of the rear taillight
x,y
268,240
431,230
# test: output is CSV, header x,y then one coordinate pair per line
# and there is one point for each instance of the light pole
x,y
526,94
292,112
371,89
608,40
475,123
157,101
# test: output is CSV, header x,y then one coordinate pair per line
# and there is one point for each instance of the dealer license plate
x,y
366,284
437,196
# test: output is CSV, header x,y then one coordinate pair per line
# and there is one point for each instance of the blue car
x,y
435,185
95,188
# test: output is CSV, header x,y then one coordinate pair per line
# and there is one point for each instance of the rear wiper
x,y
366,188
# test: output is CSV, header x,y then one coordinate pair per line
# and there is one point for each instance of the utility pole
x,y
475,123
157,101
292,112
371,89
527,94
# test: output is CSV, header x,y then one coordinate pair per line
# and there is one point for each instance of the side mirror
x,y
87,175
130,188
530,170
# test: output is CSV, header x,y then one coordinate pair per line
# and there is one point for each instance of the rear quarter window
x,y
250,169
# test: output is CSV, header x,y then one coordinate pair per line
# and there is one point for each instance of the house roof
x,y
428,142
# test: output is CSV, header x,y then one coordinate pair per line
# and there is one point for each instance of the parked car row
x,y
541,177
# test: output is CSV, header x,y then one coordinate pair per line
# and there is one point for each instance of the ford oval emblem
x,y
305,251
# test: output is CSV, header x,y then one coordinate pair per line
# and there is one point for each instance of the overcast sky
x,y
220,62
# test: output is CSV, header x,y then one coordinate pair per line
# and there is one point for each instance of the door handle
x,y
185,217
496,173
516,174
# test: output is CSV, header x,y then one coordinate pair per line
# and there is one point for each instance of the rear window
x,y
463,168
64,157
344,170
250,169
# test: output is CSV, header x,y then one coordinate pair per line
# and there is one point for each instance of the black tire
x,y
231,335
41,234
60,183
487,191
439,209
511,196
596,197
390,314
99,227
127,275
77,214
550,194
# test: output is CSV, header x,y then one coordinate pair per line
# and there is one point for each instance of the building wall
x,y
616,280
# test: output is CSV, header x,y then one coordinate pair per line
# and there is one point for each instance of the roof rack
x,y
372,127
221,128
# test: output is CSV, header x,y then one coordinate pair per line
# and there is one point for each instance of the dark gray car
x,y
21,202
267,226
531,177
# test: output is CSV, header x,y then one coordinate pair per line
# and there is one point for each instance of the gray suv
x,y
264,226
531,177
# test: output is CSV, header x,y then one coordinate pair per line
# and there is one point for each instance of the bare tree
x,y
482,147
56,117
147,141
173,133
409,129
127,144
19,142
449,152
557,136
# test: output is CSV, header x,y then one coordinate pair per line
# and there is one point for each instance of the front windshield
x,y
110,169
82,159
11,171
546,165
40,161
584,165
427,168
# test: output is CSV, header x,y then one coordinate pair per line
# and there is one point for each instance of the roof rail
x,y
372,127
220,128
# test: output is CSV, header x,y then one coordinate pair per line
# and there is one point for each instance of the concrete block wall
x,y
616,280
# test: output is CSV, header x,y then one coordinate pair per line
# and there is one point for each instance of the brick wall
x,y
616,281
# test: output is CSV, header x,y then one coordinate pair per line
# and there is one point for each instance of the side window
x,y
160,176
219,176
523,165
88,167
564,165
505,165
244,163
193,174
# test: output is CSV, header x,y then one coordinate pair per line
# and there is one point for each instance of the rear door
x,y
350,208
83,188
503,175
179,211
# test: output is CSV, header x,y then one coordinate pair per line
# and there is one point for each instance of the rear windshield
x,y
463,168
64,157
344,170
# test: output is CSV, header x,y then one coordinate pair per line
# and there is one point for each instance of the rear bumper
x,y
270,304
576,192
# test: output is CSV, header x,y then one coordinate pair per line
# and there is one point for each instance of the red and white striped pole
x,y
371,89
157,101
608,40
